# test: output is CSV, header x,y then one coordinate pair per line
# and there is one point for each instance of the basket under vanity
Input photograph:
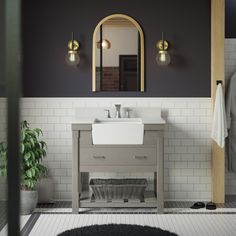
x,y
146,157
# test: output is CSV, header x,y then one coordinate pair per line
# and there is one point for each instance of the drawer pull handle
x,y
140,157
99,157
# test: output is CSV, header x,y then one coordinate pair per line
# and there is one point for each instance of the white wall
x,y
124,41
187,143
230,68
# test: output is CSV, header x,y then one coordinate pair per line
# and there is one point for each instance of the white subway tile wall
x,y
230,68
187,143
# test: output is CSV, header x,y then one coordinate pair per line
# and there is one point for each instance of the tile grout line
x,y
30,224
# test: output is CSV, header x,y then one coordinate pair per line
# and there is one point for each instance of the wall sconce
x,y
72,57
105,44
163,57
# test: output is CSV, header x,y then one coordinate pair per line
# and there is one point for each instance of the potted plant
x,y
32,151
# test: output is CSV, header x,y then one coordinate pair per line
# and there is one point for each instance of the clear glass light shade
x,y
105,44
163,58
72,58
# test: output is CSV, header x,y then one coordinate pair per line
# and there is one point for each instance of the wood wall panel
x,y
217,73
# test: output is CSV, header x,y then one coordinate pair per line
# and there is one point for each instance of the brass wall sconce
x,y
72,57
163,57
105,44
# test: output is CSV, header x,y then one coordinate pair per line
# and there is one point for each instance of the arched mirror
x,y
118,55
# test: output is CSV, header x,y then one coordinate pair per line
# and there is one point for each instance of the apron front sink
x,y
126,131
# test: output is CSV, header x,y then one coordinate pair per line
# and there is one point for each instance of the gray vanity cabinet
x,y
117,158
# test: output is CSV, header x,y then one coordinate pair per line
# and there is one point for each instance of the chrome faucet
x,y
108,113
118,106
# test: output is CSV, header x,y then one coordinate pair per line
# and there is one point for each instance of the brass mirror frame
x,y
141,49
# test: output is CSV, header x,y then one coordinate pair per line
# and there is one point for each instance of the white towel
x,y
219,124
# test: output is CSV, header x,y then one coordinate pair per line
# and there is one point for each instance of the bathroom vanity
x,y
145,157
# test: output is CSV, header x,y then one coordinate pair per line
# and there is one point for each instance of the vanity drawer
x,y
150,138
99,156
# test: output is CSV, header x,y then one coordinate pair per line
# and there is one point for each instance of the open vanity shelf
x,y
87,200
147,157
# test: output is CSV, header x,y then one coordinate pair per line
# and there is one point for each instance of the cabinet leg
x,y
160,175
160,206
155,184
76,197
75,201
75,207
75,174
84,181
160,193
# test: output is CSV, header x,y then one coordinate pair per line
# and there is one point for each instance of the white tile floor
x,y
183,225
23,220
138,210
51,219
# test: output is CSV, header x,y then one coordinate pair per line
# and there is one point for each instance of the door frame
x,y
13,82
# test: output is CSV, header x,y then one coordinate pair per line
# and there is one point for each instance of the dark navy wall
x,y
230,19
47,26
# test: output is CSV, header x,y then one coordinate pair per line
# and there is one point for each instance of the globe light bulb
x,y
72,58
163,58
105,44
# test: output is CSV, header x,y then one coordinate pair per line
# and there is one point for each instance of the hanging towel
x,y
219,124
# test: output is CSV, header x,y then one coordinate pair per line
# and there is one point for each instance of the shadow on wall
x,y
85,61
178,60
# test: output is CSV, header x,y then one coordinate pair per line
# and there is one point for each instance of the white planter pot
x,y
45,190
29,201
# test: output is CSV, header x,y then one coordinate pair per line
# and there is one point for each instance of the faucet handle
x,y
108,113
118,106
128,110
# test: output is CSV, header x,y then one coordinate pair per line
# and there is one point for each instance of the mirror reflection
x,y
117,55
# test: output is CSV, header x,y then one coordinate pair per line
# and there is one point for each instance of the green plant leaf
x,y
38,131
32,155
3,172
32,151
29,173
24,124
44,145
22,135
27,163
33,172
22,148
27,156
32,142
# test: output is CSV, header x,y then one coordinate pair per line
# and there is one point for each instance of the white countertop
x,y
90,120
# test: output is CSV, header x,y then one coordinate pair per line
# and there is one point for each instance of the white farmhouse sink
x,y
118,131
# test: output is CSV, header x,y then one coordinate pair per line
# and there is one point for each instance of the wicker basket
x,y
109,189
